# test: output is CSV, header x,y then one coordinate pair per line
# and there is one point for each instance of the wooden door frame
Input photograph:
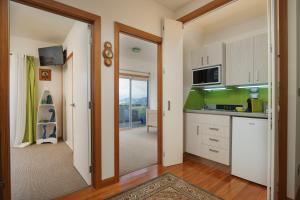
x,y
122,28
282,39
66,11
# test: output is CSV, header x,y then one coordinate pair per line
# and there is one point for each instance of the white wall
x,y
30,47
142,14
192,39
142,66
293,100
231,31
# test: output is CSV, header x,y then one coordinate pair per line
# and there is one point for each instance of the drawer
x,y
216,154
216,141
220,120
217,130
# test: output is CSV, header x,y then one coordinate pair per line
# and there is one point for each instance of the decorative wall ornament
x,y
45,74
107,54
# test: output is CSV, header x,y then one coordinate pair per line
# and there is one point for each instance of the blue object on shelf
x,y
45,132
53,134
52,118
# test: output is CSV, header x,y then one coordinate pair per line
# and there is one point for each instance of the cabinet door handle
x,y
207,59
169,105
214,129
198,130
213,139
201,60
251,123
257,76
212,150
249,77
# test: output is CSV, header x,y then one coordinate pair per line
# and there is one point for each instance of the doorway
x,y
138,99
49,120
73,13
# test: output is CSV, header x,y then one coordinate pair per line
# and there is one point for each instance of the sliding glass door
x,y
133,102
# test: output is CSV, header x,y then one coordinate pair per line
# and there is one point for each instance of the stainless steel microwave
x,y
207,76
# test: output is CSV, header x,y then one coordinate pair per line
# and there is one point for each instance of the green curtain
x,y
30,129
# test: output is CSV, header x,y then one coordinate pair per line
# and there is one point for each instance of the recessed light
x,y
136,50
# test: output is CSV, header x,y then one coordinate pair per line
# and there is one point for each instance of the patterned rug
x,y
167,187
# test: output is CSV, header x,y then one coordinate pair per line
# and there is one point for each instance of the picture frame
x,y
45,74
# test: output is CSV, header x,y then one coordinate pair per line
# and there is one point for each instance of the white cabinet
x,y
261,59
208,136
215,54
192,131
209,55
249,149
247,61
239,62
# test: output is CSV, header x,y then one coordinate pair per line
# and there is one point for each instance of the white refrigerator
x,y
249,149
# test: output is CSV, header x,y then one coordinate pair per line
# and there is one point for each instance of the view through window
x,y
133,102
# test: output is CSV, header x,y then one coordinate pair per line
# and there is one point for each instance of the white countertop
x,y
230,113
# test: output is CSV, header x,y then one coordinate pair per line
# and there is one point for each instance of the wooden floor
x,y
209,176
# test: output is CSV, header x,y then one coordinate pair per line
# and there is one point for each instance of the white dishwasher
x,y
249,149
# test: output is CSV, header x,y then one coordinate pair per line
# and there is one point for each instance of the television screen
x,y
51,56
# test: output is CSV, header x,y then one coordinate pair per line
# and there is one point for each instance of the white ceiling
x,y
147,53
39,25
237,11
174,4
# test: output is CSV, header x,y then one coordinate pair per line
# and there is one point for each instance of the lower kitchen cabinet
x,y
208,136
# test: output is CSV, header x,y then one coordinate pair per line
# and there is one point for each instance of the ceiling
x,y
147,53
39,25
173,4
235,12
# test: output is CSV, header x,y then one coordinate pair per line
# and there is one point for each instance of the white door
x,y
173,92
68,102
273,100
192,134
239,62
261,58
81,104
215,54
197,58
249,149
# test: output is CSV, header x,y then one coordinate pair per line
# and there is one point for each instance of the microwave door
x,y
213,75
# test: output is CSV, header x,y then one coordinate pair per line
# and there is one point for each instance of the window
x,y
133,102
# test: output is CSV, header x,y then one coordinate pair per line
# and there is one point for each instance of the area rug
x,y
167,187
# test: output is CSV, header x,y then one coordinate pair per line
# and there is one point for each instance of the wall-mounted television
x,y
51,56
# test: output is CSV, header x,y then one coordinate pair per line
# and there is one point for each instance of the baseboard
x,y
109,181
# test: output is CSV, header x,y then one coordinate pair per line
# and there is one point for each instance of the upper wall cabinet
x,y
208,55
261,58
247,61
239,62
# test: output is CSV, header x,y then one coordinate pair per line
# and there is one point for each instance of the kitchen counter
x,y
230,113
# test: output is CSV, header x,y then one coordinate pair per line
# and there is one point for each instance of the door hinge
x,y
91,169
90,105
2,183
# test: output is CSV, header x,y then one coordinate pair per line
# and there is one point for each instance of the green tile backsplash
x,y
197,98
